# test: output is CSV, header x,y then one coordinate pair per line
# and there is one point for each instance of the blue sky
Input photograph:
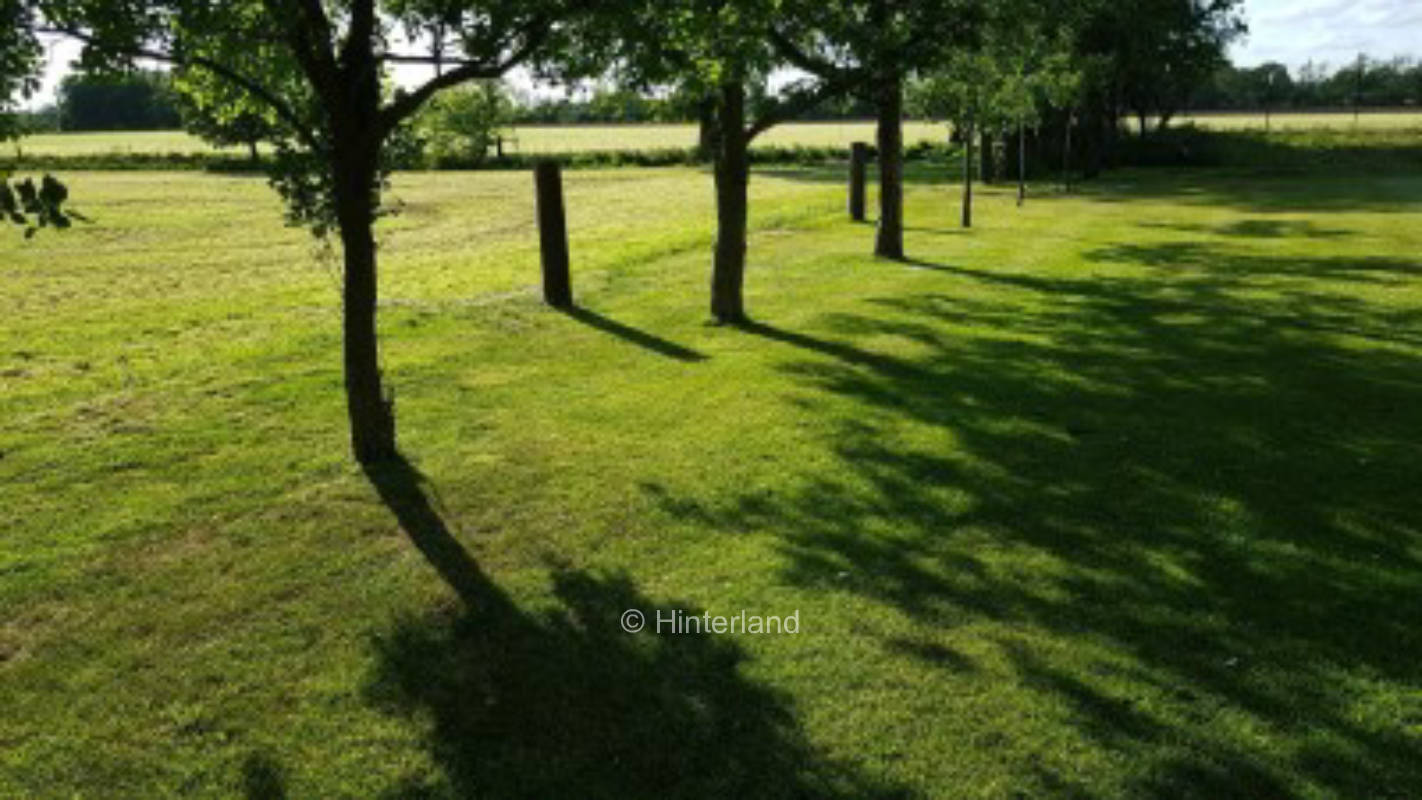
x,y
1290,31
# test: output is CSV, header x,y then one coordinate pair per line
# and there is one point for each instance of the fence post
x,y
858,158
553,234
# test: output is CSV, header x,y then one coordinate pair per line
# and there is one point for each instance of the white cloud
x,y
1332,31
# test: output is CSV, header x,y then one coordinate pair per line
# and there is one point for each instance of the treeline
x,y
146,100
1365,83
621,105
140,100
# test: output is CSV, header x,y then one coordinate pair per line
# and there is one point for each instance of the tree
x,y
462,124
19,57
336,126
225,114
1007,79
875,45
129,100
717,51
962,92
1157,52
23,202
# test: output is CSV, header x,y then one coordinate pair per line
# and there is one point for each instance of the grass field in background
x,y
529,139
576,138
1112,496
547,139
1298,121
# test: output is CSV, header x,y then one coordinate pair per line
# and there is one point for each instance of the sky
x,y
1293,32
1331,31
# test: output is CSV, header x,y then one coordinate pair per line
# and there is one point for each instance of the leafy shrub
x,y
460,126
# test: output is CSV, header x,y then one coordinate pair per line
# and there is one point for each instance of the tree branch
x,y
432,60
535,33
801,59
283,110
317,62
792,107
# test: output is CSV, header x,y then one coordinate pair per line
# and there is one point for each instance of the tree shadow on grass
x,y
649,341
263,777
1211,489
562,702
1376,191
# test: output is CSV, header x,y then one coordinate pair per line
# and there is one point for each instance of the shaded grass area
x,y
1109,497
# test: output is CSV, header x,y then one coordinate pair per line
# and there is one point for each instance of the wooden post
x,y
553,234
968,175
858,159
1021,163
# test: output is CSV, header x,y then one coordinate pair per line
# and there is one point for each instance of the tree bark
x,y
968,176
889,239
372,417
732,179
353,103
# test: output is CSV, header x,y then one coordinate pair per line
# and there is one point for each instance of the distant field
x,y
535,139
108,142
1376,120
572,138
577,138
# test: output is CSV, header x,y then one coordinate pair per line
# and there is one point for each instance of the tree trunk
x,y
968,175
354,104
253,156
889,239
371,414
988,172
1066,152
732,179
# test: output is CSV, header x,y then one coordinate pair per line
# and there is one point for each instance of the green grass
x,y
1112,496
115,143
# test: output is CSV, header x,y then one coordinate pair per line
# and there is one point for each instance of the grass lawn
x,y
1113,496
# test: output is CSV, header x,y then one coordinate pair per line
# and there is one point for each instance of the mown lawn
x,y
1112,496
